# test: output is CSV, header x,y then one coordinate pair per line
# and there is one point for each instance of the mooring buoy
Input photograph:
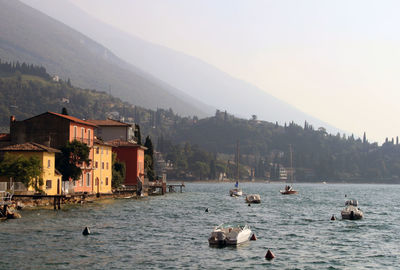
x,y
253,237
86,231
249,205
333,217
269,255
206,210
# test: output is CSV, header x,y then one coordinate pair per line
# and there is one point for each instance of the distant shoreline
x,y
361,182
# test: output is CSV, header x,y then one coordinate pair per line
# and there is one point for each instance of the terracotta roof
x,y
121,143
101,142
30,146
5,137
72,118
109,123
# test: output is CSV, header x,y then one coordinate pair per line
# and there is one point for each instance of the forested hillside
x,y
205,148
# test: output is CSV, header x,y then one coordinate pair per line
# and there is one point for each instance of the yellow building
x,y
102,167
51,177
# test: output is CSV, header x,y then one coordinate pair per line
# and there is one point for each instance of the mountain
x,y
196,146
27,35
197,78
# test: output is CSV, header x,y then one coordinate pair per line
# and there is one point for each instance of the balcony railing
x,y
84,140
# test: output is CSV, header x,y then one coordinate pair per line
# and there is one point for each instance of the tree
x,y
138,136
27,170
72,157
118,171
149,159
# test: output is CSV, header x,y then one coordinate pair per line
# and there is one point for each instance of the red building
x,y
55,130
133,156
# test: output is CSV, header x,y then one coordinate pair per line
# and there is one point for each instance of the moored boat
x,y
288,190
235,192
226,234
253,198
351,211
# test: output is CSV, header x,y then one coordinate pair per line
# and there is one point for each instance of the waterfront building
x,y
51,177
110,129
55,130
102,164
133,156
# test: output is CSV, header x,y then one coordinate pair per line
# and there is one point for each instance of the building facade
x,y
52,179
55,130
102,164
133,156
110,129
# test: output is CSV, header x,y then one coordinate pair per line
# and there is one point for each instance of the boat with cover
x,y
253,198
226,234
351,211
236,191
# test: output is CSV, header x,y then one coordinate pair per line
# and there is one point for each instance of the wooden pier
x,y
171,187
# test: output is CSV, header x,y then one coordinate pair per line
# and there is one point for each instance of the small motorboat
x,y
253,198
226,234
288,190
351,211
235,192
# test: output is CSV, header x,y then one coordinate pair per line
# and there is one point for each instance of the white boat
x,y
226,234
289,189
253,198
351,211
235,192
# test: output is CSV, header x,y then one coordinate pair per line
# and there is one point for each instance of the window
x,y
97,150
82,133
48,163
82,176
106,151
48,184
97,165
89,133
75,132
107,166
88,179
106,181
102,165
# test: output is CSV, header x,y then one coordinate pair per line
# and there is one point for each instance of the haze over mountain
x,y
27,35
192,75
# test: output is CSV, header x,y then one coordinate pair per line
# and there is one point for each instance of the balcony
x,y
89,142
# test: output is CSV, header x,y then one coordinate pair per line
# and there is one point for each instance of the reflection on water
x,y
172,231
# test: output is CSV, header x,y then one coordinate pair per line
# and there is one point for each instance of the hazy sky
x,y
336,60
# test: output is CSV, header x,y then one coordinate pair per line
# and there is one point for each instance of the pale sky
x,y
336,60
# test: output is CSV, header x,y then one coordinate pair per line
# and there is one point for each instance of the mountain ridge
x,y
27,35
193,75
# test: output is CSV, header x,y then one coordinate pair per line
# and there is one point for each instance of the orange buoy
x,y
269,255
333,217
253,237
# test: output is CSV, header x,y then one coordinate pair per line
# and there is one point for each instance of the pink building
x,y
55,130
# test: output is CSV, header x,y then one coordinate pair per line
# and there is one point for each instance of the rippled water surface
x,y
170,232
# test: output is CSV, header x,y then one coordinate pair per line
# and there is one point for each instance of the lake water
x,y
171,232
